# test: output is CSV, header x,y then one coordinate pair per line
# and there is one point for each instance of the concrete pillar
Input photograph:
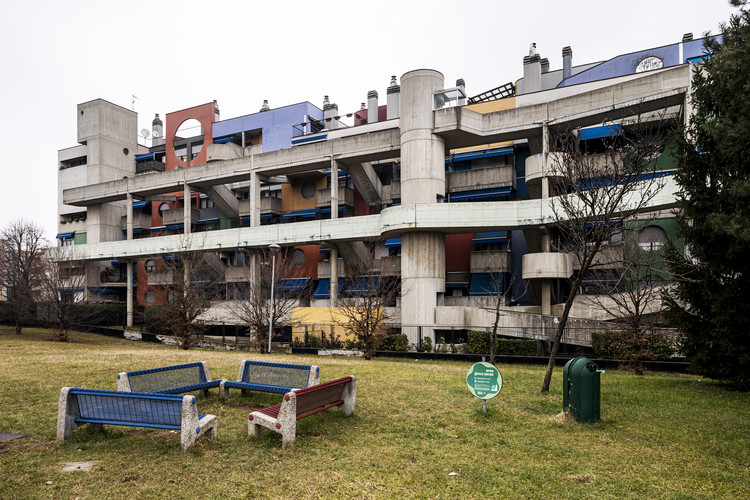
x,y
372,106
188,217
254,198
129,218
129,294
422,181
393,99
546,292
334,189
334,287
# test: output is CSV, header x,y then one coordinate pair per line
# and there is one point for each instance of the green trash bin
x,y
581,390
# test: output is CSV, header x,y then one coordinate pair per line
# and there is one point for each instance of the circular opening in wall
x,y
163,208
125,151
188,139
150,297
652,238
308,190
297,258
150,265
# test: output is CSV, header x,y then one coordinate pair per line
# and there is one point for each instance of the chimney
x,y
157,131
461,84
532,71
545,65
567,54
687,37
265,106
329,112
216,111
393,100
372,106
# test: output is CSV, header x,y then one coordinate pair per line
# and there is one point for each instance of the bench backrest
x,y
167,377
162,410
276,374
320,397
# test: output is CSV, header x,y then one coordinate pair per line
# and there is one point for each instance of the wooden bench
x,y
176,379
162,411
278,378
297,404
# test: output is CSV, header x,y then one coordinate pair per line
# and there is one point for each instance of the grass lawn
x,y
416,432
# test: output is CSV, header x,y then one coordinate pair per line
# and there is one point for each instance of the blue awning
x,y
264,217
327,210
292,284
103,289
171,257
598,132
363,285
483,153
64,289
342,173
486,284
146,156
115,261
65,236
323,289
139,204
208,221
302,214
135,231
324,249
490,237
223,140
481,194
393,242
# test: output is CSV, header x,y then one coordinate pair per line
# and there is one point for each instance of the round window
x,y
652,238
150,297
150,266
308,190
163,208
298,257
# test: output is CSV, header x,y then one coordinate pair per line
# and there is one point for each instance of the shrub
x,y
152,322
396,342
651,346
479,342
97,314
518,347
426,344
354,344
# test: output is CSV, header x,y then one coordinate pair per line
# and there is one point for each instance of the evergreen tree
x,y
711,303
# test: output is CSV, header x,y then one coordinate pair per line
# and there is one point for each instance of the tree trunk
x,y
560,329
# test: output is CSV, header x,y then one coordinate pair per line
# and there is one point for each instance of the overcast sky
x,y
173,55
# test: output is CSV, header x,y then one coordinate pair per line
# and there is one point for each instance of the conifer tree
x,y
711,303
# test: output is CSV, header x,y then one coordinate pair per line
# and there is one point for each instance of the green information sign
x,y
484,380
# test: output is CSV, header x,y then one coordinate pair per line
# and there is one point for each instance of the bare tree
x,y
62,287
22,245
252,292
189,282
370,291
498,288
594,192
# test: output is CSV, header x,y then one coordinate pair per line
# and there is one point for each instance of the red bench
x,y
301,403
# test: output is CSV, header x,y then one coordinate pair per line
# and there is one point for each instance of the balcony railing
x,y
496,261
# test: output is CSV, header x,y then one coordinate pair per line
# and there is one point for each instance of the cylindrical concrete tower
x,y
422,181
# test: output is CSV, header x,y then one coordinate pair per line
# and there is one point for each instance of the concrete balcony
x,y
140,221
547,265
391,266
324,268
161,277
490,262
226,151
391,191
479,178
608,257
268,205
177,216
346,197
237,274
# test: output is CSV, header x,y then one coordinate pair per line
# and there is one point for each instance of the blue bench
x,y
162,411
176,379
298,404
278,378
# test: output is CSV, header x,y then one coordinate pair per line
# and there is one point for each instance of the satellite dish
x,y
145,133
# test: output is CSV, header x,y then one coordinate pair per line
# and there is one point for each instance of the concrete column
x,y
334,189
188,218
129,217
546,292
334,288
254,199
129,294
422,181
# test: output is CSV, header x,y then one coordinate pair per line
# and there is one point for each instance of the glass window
x,y
652,238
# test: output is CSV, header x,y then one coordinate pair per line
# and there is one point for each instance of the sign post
x,y
484,381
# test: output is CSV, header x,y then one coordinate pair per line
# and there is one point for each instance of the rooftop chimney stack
x,y
157,131
545,65
265,106
393,100
532,71
567,55
461,84
330,111
216,111
687,37
372,106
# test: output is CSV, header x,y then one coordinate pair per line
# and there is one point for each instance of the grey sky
x,y
177,54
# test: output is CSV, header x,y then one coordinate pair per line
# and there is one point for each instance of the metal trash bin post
x,y
581,390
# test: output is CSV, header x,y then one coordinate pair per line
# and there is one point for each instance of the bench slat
x,y
136,411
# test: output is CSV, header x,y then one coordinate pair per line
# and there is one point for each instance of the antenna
x,y
145,133
132,104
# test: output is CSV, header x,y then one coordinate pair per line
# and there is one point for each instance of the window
x,y
308,190
163,208
651,238
150,297
298,257
150,266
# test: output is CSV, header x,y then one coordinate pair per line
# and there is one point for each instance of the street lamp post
x,y
274,248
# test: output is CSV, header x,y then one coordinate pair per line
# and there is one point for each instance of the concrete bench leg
x,y
254,429
67,412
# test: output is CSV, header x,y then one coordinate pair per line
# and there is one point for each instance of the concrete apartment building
x,y
453,189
